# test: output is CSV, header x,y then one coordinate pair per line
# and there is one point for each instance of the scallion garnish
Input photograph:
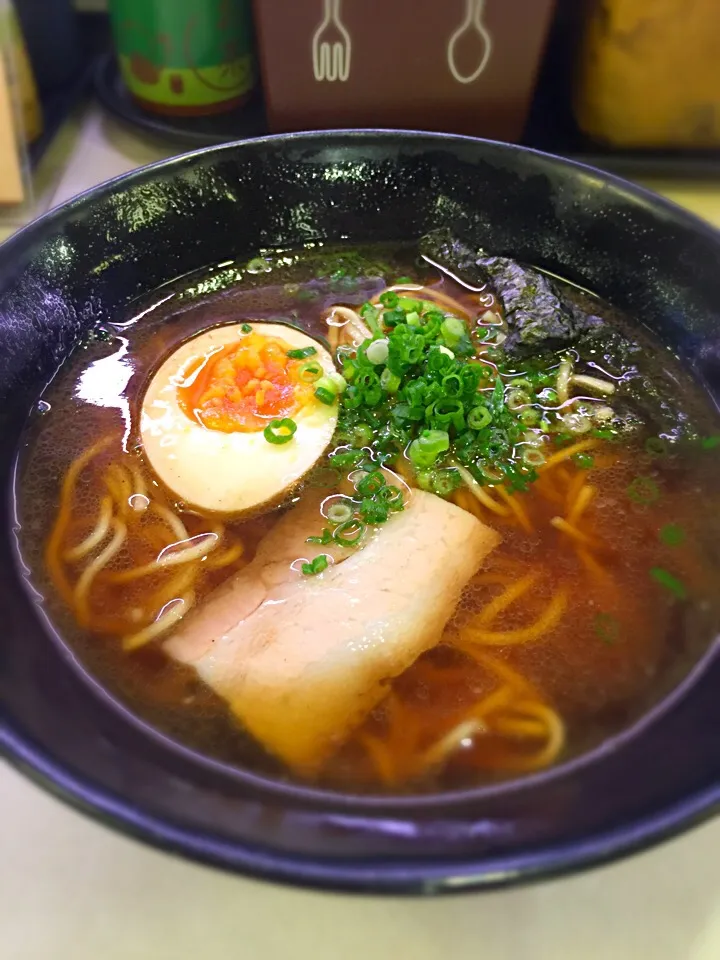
x,y
317,565
426,448
444,482
389,381
346,458
373,511
643,490
246,328
534,457
349,533
301,353
310,372
479,418
370,484
325,396
392,496
323,540
377,351
672,535
362,435
670,582
389,299
606,627
280,431
339,512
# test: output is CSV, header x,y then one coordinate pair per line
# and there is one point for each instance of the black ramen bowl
x,y
85,261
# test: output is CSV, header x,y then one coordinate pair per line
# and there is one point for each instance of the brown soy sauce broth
x,y
598,682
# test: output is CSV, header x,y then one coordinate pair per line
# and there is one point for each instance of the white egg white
x,y
229,473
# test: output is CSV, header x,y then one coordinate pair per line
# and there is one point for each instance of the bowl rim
x,y
373,876
429,875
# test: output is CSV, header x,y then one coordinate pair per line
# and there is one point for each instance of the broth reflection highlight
x,y
580,587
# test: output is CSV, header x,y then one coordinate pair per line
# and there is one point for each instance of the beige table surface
x,y
71,890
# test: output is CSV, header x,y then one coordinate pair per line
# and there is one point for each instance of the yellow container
x,y
648,73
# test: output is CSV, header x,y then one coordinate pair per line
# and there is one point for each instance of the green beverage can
x,y
188,57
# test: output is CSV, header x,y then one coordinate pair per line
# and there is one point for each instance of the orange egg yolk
x,y
242,386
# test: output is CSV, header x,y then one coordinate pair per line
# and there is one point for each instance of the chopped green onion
x,y
280,431
413,319
373,511
424,479
326,383
709,443
389,381
517,399
522,384
479,418
339,512
368,386
316,566
348,533
389,299
302,353
370,315
451,329
533,457
426,448
392,496
377,352
671,583
672,535
338,380
444,482
448,410
530,416
408,305
607,627
370,484
324,540
326,396
310,372
452,385
362,435
246,328
391,318
643,490
491,473
347,458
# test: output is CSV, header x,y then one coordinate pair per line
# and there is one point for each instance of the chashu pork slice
x,y
302,660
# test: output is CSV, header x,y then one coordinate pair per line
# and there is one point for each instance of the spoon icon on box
x,y
471,29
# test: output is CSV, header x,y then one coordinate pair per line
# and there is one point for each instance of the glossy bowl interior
x,y
88,259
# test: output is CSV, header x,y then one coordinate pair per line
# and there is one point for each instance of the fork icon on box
x,y
331,46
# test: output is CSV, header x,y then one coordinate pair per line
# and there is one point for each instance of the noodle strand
x,y
546,622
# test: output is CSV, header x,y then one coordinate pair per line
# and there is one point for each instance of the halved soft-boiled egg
x,y
234,419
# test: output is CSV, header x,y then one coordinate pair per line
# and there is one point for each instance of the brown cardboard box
x,y
461,66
